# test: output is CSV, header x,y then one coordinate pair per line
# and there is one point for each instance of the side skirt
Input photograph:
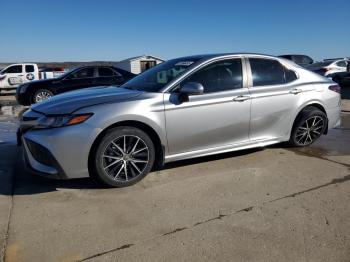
x,y
223,149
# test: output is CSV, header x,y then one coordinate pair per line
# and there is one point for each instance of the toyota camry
x,y
183,108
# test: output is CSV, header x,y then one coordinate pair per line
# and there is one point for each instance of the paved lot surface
x,y
273,204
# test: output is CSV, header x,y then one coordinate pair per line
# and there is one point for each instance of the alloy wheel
x,y
42,95
310,130
125,158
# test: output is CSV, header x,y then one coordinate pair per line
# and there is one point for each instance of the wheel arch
x,y
304,107
32,89
150,131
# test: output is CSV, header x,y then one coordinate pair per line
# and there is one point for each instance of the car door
x,y
30,73
108,77
14,76
80,78
217,118
274,98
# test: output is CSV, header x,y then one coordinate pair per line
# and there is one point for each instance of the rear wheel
x,y
123,157
41,95
308,127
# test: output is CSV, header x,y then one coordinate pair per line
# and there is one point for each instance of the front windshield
x,y
156,78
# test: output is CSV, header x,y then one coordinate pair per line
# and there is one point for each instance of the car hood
x,y
69,102
42,81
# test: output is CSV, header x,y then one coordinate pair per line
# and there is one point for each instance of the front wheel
x,y
308,127
41,95
123,157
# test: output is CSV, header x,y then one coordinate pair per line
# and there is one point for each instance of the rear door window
x,y
107,72
290,75
29,68
267,72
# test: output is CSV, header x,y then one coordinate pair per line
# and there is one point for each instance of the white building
x,y
139,64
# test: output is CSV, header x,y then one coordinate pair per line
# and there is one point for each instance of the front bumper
x,y
60,153
32,161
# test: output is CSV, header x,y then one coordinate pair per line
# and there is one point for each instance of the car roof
x,y
293,55
210,56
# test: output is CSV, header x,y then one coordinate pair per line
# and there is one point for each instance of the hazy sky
x,y
71,30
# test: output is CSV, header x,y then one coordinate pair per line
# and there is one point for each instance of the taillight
x,y
335,88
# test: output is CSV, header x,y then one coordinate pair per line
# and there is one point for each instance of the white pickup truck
x,y
16,74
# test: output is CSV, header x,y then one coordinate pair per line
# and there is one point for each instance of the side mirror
x,y
192,88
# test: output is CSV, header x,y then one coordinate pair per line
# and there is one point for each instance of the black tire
x,y
99,163
303,132
37,92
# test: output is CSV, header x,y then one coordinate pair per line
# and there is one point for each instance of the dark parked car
x,y
302,60
82,77
343,79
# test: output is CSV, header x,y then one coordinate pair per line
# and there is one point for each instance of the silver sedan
x,y
183,108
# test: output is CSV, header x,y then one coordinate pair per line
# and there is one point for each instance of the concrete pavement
x,y
8,156
273,204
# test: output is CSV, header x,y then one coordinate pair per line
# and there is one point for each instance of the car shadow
x,y
25,182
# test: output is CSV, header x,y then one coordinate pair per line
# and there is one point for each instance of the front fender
x,y
108,115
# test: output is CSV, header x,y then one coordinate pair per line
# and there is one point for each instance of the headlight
x,y
23,88
61,120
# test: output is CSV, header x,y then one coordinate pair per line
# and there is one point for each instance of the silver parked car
x,y
183,108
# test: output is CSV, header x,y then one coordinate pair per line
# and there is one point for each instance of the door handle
x,y
295,91
241,98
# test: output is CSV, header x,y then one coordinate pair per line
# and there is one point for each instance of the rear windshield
x,y
302,59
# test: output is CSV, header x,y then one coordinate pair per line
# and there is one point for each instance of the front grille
x,y
40,153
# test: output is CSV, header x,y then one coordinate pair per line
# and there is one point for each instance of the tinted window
x,y
266,72
341,63
302,59
219,76
14,69
286,56
289,75
29,68
104,71
83,73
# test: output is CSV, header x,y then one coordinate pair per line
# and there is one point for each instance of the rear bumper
x,y
334,119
